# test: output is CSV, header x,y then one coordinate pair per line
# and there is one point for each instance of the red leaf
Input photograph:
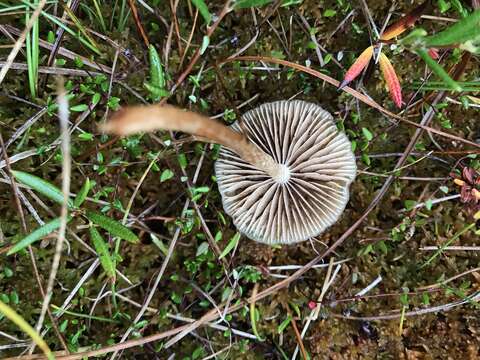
x,y
391,79
404,23
357,67
433,53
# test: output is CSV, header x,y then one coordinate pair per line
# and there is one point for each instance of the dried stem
x,y
156,117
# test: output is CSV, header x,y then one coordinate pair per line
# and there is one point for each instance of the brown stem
x,y
156,117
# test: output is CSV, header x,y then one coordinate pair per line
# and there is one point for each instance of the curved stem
x,y
155,117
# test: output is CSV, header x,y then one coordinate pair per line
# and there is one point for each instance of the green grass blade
x,y
102,249
59,310
100,15
36,235
82,194
461,32
66,28
242,4
203,9
26,328
231,244
112,226
123,18
35,51
438,70
447,243
41,186
29,47
80,27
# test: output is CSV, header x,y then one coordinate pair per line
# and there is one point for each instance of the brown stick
x,y
156,117
365,99
138,23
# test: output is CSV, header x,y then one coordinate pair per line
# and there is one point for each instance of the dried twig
x,y
21,39
365,99
138,22
66,171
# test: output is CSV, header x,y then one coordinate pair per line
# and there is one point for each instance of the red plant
x,y
391,79
388,71
469,183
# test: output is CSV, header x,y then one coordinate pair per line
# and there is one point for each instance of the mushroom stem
x,y
136,119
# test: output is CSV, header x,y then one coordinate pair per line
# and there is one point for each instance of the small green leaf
x,y
82,194
329,13
242,4
202,249
429,204
200,190
51,37
36,235
156,92
85,136
167,174
102,249
444,189
113,103
367,134
205,43
79,108
96,98
157,76
159,244
232,243
112,226
410,204
203,9
182,160
284,324
41,186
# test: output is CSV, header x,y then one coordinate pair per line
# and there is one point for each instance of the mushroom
x,y
283,172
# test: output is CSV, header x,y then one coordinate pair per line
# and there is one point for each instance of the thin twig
x,y
21,39
138,23
365,99
63,114
444,307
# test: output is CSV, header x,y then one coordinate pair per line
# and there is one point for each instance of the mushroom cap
x,y
317,166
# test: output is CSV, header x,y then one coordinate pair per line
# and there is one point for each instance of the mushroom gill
x,y
283,175
317,166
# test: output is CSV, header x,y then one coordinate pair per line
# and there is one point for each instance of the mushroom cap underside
x,y
317,167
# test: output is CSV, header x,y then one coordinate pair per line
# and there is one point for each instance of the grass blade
x,y
82,194
66,28
81,28
102,249
41,186
438,70
100,15
26,328
447,243
232,243
36,235
203,9
112,226
32,48
461,32
242,4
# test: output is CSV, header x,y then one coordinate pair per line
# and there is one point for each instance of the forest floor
x,y
402,283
